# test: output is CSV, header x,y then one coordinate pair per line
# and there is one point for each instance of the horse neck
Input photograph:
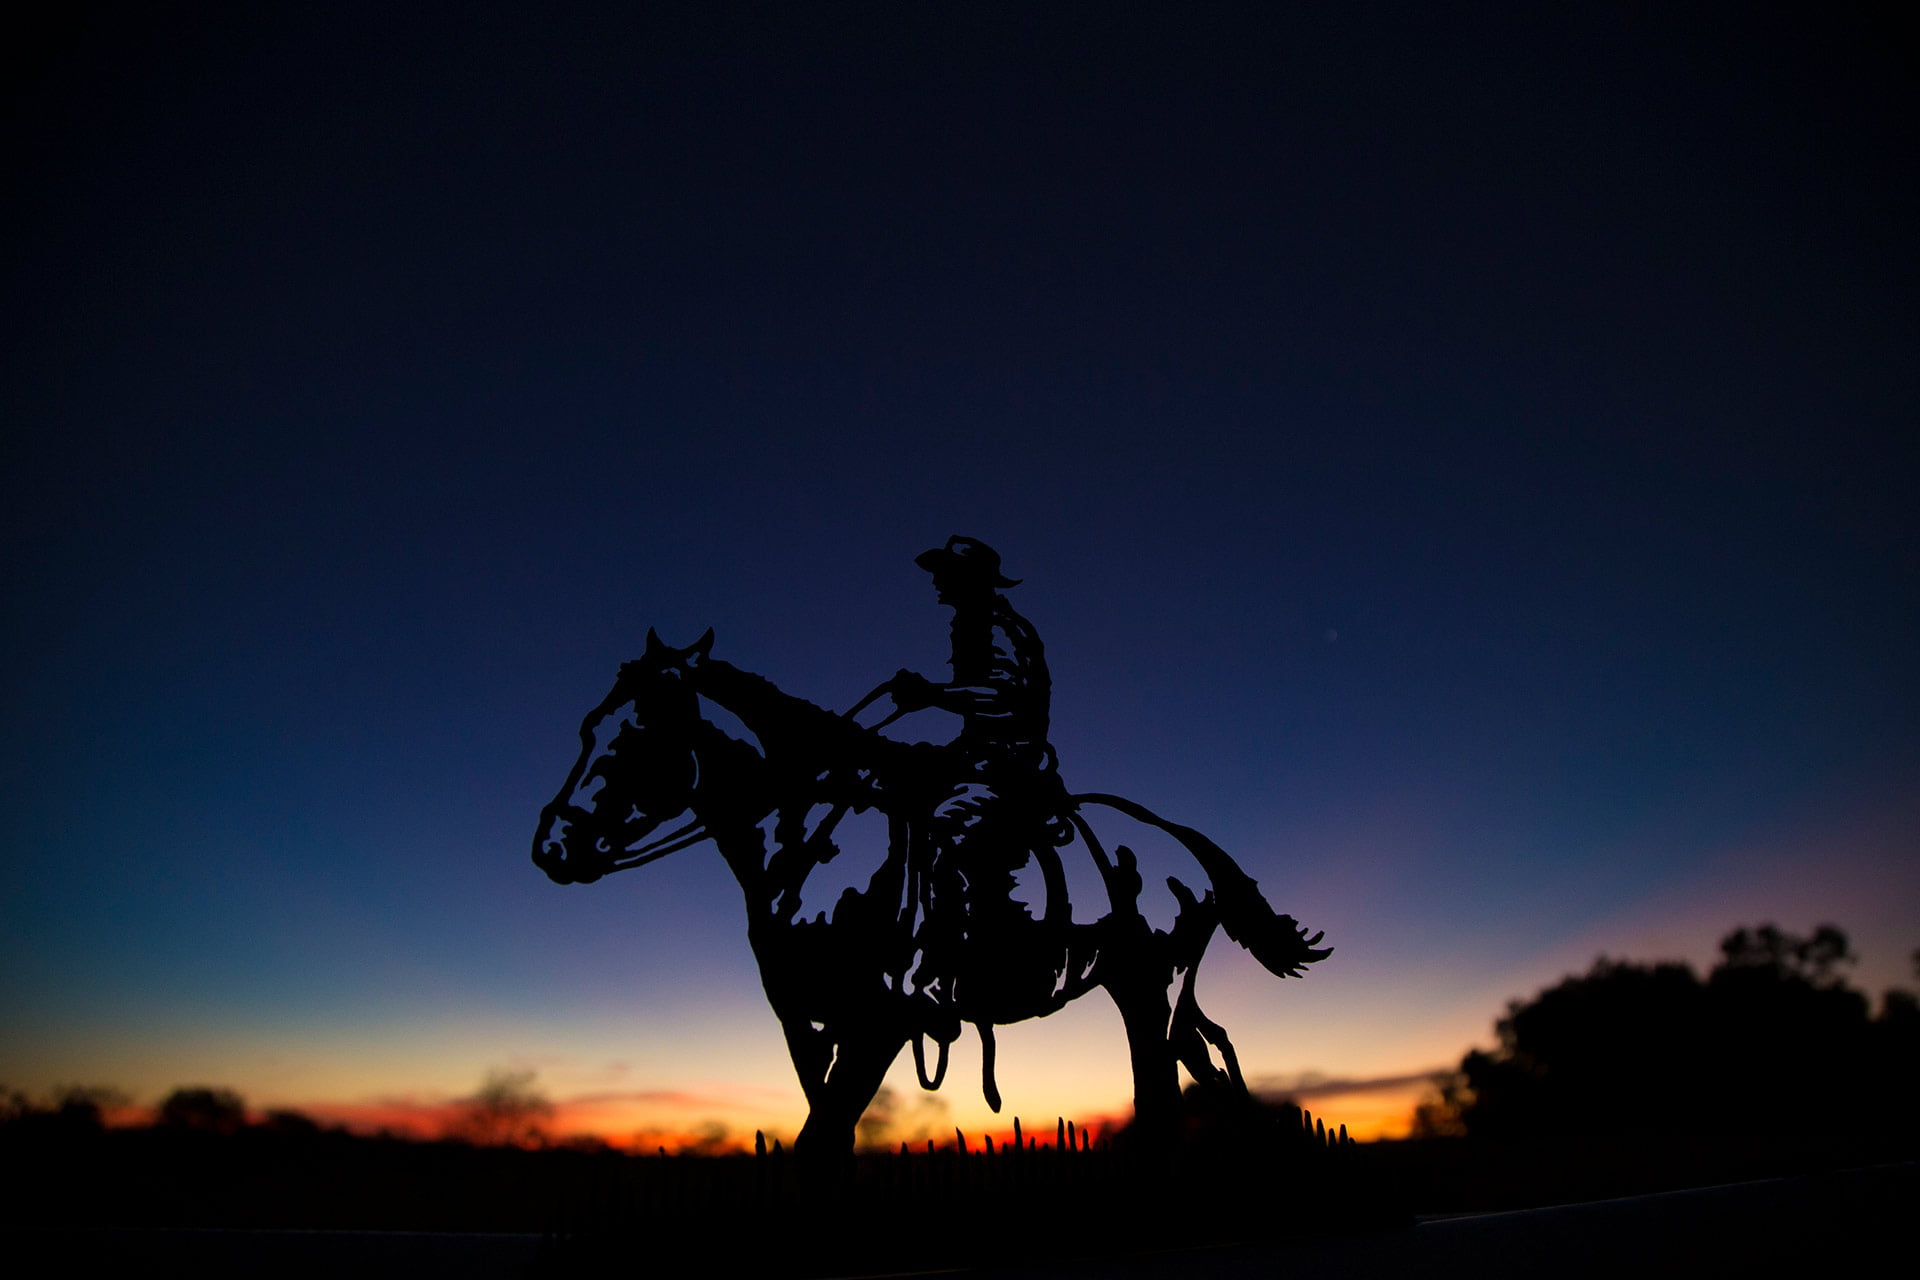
x,y
761,705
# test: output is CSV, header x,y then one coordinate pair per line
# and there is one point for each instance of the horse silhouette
x,y
842,984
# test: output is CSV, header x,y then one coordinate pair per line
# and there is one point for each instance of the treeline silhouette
x,y
507,1110
1058,1192
203,1161
1644,1076
1772,1031
84,1161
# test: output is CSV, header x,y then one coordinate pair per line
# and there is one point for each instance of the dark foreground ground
x,y
1837,1223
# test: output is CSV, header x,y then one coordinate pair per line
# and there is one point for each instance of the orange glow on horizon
x,y
1369,1114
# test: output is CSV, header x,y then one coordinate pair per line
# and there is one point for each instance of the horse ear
x,y
653,643
703,646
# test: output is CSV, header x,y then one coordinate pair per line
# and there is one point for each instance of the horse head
x,y
636,771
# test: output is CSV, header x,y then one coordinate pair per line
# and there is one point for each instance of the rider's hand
x,y
910,690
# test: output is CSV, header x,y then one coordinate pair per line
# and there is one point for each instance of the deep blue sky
x,y
1462,457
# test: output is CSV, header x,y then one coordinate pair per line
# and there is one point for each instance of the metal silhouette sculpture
x,y
937,938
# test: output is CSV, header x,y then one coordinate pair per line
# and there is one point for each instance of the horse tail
x,y
1277,941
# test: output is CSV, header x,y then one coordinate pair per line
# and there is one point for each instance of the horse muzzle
x,y
560,848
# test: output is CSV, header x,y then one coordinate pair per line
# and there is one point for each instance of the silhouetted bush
x,y
204,1109
290,1124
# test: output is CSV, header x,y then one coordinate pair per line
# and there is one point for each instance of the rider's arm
x,y
987,693
912,691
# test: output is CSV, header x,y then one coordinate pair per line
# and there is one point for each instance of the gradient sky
x,y
1463,458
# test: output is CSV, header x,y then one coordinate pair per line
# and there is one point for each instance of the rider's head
x,y
964,565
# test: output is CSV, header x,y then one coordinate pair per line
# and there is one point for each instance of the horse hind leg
x,y
1193,1035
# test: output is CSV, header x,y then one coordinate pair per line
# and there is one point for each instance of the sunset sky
x,y
1462,458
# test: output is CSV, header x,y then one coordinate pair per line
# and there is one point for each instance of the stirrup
x,y
920,1062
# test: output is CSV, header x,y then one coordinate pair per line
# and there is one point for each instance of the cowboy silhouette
x,y
1005,803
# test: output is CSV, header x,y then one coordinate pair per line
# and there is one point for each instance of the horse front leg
x,y
859,1068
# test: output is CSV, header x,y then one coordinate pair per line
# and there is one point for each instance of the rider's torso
x,y
999,654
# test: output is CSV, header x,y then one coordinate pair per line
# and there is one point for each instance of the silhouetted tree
x,y
1593,1053
1442,1114
507,1110
204,1109
1785,1022
1896,1056
85,1106
1782,957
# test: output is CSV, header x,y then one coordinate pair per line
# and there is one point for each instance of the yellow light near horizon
x,y
1369,1114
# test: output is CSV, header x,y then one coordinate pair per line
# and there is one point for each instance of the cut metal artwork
x,y
938,938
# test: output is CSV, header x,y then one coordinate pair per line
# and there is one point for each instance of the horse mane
x,y
744,693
